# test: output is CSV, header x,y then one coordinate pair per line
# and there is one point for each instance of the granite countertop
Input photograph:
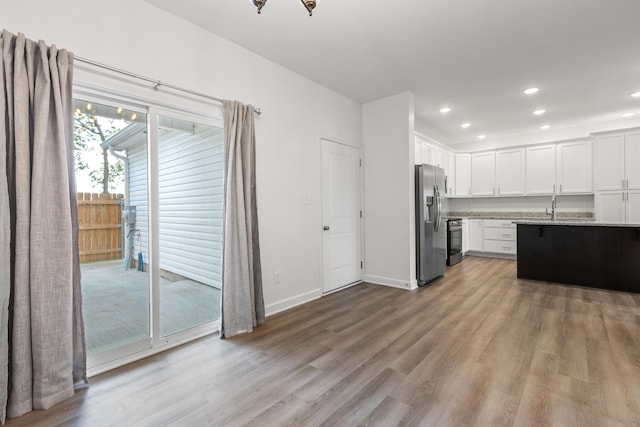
x,y
523,216
583,223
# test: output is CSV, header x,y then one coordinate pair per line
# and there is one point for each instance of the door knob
x,y
326,227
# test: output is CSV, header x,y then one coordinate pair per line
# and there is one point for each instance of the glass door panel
x,y
111,176
190,191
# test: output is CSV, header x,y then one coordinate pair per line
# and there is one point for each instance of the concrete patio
x,y
116,305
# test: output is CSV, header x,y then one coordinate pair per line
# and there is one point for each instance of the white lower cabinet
x,y
492,236
465,235
499,236
475,235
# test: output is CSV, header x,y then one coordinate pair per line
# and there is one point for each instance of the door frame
x,y
360,197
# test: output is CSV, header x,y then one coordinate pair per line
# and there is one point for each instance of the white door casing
x,y
341,264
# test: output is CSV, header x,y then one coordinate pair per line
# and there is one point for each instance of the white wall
x,y
389,227
135,36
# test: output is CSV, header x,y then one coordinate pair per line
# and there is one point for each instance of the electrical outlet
x,y
276,277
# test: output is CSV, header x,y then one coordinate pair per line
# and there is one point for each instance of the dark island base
x,y
594,256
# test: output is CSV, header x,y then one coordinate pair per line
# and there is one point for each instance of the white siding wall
x,y
190,196
139,197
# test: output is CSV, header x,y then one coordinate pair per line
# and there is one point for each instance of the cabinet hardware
x,y
561,188
506,235
541,231
494,191
554,188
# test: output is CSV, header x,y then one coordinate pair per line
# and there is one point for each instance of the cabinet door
x,y
633,206
451,174
483,174
475,235
465,235
418,153
462,174
610,206
436,157
510,172
608,152
632,159
574,167
426,153
541,169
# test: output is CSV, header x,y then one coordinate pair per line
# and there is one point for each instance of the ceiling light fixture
x,y
465,125
482,136
540,112
545,127
625,115
308,4
531,90
445,110
636,95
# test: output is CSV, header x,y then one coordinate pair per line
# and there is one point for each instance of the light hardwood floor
x,y
478,347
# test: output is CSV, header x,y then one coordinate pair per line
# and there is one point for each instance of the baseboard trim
x,y
287,303
491,255
387,281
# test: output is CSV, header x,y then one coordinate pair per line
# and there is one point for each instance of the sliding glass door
x,y
150,186
111,176
190,187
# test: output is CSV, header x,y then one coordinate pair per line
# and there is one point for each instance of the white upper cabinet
x,y
451,174
574,167
423,151
436,157
541,169
632,159
510,172
483,174
609,162
462,174
617,157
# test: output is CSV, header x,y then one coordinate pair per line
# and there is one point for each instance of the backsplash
x,y
520,215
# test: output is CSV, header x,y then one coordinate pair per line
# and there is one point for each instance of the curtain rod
x,y
156,83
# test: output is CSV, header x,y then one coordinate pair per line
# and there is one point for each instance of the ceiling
x,y
475,56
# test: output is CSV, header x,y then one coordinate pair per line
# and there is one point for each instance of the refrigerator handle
x,y
438,203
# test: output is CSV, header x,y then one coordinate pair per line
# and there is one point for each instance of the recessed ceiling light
x,y
636,95
465,125
540,112
482,136
545,127
531,90
445,109
625,115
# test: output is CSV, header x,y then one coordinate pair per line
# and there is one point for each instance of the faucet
x,y
554,205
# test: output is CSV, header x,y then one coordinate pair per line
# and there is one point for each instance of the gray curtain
x,y
242,304
42,338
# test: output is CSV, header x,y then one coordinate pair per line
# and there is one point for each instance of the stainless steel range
x,y
454,240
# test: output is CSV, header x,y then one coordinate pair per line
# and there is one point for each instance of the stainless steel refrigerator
x,y
431,230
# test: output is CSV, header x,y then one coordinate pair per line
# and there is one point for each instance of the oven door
x,y
454,243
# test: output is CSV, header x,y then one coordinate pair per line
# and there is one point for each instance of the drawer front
x,y
499,223
500,233
500,246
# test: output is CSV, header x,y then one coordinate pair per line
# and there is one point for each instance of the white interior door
x,y
340,215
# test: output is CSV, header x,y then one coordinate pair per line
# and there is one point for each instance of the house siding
x,y
191,200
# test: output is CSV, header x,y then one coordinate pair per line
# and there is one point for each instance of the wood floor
x,y
478,347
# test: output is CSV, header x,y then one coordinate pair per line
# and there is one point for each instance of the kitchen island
x,y
585,253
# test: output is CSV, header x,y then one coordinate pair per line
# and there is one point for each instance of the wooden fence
x,y
100,236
